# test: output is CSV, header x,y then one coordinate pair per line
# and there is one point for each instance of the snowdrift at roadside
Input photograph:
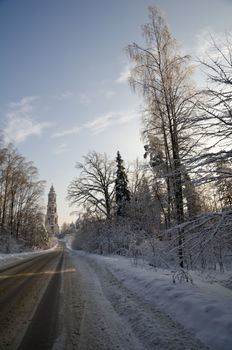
x,y
203,308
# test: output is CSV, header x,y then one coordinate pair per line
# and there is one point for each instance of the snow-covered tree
x,y
162,75
122,193
192,198
224,183
21,213
217,107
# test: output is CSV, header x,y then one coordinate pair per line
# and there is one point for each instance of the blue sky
x,y
63,76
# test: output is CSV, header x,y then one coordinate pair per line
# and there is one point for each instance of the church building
x,y
51,220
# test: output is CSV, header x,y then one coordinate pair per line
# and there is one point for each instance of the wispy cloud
x,y
101,123
68,95
62,148
71,131
19,123
124,75
25,105
98,125
84,99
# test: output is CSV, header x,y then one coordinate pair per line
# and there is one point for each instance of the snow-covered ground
x,y
203,308
6,259
138,307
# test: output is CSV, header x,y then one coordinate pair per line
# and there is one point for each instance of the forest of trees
x,y
174,208
21,191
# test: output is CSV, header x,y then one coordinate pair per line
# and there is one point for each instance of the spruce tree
x,y
121,186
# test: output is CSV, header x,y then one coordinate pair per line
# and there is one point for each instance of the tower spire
x,y
51,221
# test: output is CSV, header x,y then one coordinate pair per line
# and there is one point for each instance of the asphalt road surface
x,y
58,300
29,298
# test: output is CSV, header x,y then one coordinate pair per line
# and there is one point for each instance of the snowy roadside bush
x,y
207,242
182,276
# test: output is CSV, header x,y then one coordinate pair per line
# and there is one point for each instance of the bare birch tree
x,y
162,75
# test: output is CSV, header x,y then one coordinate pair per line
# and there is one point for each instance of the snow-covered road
x,y
109,303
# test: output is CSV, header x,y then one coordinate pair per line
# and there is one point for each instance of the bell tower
x,y
51,221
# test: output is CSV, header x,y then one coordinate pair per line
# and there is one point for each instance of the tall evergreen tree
x,y
121,186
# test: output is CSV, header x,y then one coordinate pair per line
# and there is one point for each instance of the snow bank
x,y
6,259
203,308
